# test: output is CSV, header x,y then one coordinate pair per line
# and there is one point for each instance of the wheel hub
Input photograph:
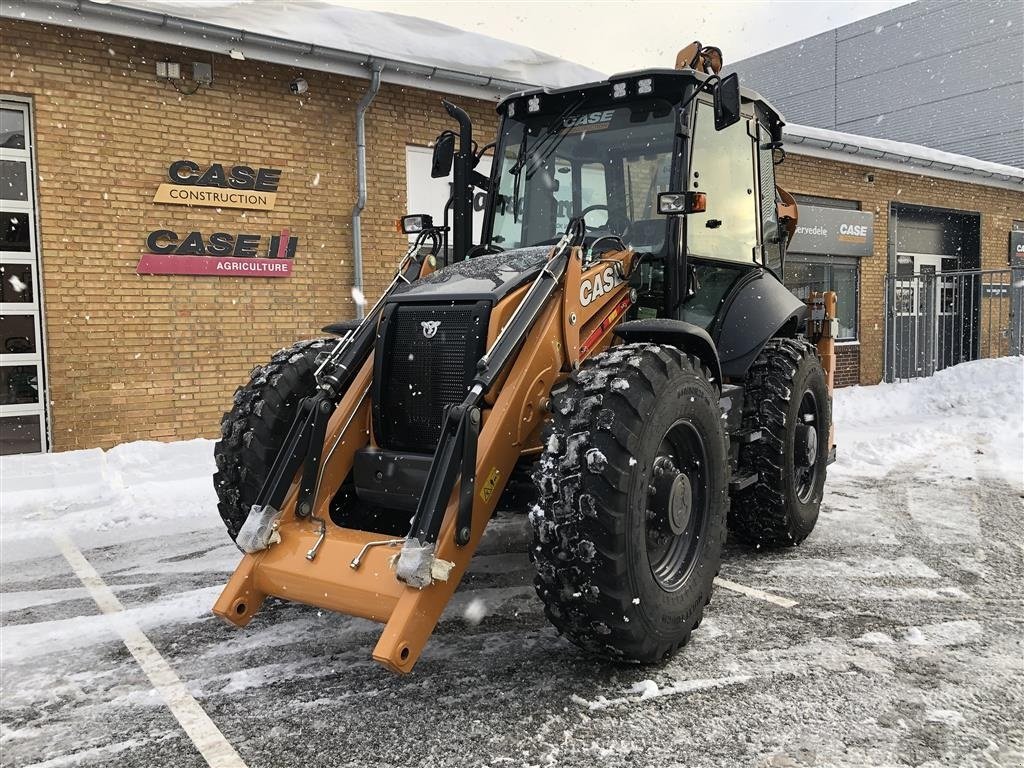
x,y
806,444
673,496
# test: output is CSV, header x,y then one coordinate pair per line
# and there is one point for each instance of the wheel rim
x,y
677,505
806,464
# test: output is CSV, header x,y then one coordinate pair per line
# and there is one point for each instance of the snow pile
x,y
94,490
397,38
965,421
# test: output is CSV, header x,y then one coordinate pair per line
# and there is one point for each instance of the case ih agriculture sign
x,y
224,254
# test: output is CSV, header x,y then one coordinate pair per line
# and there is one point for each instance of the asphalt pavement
x,y
895,640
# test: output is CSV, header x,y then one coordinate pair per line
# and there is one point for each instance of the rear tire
x,y
625,550
787,399
254,430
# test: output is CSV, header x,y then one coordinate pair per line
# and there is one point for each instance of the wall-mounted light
x,y
236,54
168,70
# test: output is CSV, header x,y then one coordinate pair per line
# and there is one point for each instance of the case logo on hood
x,y
430,328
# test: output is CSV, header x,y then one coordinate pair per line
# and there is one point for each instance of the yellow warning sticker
x,y
489,484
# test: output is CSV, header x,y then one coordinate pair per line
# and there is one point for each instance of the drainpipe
x,y
357,209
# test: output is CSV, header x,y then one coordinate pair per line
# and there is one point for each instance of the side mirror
x,y
682,203
727,101
416,223
444,153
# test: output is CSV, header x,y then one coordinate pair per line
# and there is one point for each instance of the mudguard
x,y
758,309
678,333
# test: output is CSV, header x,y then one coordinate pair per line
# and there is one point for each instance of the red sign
x,y
218,266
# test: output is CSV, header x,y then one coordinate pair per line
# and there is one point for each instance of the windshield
x,y
607,164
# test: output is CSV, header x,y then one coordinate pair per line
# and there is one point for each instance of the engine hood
x,y
485,277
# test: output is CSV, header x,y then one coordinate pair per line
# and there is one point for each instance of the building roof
x,y
943,73
899,155
319,35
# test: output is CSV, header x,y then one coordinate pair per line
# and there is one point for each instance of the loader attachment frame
x,y
361,573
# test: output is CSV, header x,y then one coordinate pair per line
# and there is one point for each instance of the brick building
x,y
100,101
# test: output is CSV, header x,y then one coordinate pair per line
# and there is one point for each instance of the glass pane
x,y
13,180
20,434
19,384
18,334
802,278
16,283
544,153
844,283
14,232
12,129
723,167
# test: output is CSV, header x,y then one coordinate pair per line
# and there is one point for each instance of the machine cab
x,y
606,152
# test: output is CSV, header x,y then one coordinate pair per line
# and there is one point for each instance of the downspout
x,y
357,209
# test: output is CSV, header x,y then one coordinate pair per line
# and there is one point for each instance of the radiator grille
x,y
420,375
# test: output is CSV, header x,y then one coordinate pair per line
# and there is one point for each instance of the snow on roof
x,y
388,36
871,151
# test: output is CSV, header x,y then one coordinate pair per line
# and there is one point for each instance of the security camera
x,y
298,86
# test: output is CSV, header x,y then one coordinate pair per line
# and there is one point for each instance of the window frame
x,y
32,257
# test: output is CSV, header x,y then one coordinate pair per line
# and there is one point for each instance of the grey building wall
x,y
946,74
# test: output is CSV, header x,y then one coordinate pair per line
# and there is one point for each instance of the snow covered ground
x,y
903,647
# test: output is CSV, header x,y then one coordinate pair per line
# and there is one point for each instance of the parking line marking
x,y
210,742
785,602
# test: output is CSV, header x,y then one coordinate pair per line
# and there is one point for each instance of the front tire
x,y
254,430
633,499
787,400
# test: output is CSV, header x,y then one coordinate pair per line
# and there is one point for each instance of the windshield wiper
x,y
548,143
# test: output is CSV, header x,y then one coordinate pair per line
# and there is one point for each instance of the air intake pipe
x,y
462,185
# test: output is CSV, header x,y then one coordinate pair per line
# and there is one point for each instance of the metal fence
x,y
937,319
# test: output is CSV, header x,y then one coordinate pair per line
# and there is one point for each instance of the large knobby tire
x,y
253,431
622,570
787,400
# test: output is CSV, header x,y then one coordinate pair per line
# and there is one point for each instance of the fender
x,y
680,334
759,308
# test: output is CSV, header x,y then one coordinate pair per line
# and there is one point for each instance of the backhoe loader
x,y
620,337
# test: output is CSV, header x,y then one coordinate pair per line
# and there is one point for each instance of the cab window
x,y
722,166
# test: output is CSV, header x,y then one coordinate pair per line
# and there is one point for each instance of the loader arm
x,y
361,573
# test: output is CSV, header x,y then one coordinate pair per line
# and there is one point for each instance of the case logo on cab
x,y
601,283
430,328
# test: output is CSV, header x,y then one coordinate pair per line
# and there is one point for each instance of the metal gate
x,y
936,319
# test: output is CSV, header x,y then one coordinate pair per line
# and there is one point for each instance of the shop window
x,y
18,334
15,236
19,384
23,416
13,180
12,129
16,284
21,434
807,274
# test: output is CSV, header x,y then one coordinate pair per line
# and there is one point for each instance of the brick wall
x,y
847,365
829,178
157,357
